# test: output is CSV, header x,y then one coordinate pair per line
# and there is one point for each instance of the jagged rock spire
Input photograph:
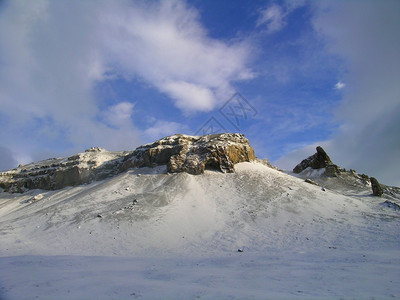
x,y
317,161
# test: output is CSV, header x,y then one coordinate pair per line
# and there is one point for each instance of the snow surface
x,y
152,235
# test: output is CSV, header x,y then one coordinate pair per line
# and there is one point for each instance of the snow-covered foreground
x,y
282,275
158,236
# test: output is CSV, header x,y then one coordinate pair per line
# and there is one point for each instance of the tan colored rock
x,y
194,154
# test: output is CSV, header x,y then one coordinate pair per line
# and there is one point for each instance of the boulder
x,y
308,180
376,187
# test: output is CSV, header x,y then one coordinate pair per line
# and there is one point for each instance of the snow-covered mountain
x,y
239,229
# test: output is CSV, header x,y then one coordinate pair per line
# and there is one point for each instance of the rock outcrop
x,y
320,169
180,153
376,187
194,154
317,161
56,173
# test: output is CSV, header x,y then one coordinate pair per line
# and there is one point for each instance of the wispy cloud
x,y
273,17
340,85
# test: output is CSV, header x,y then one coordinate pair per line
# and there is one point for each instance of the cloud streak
x,y
273,17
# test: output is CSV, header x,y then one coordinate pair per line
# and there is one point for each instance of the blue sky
x,y
117,74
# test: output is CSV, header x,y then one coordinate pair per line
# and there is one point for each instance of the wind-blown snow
x,y
149,234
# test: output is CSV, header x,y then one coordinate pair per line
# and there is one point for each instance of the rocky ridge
x,y
319,169
180,153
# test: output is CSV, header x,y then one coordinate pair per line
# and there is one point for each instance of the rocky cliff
x,y
194,154
317,161
180,153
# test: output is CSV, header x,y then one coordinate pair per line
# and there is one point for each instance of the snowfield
x,y
152,235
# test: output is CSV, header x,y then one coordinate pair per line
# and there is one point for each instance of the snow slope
x,y
149,234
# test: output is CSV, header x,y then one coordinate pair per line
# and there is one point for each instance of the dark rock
x,y
317,161
308,180
332,170
322,159
376,187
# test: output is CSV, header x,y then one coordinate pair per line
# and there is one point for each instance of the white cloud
x,y
161,129
340,85
189,96
53,53
119,115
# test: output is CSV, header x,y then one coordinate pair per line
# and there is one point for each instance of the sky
x,y
290,75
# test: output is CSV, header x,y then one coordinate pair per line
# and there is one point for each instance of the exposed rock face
x,y
376,187
317,161
57,173
192,154
181,153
